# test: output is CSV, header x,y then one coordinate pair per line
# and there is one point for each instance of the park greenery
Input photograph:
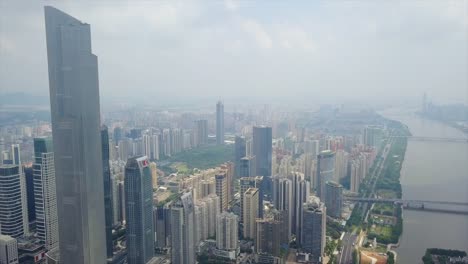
x,y
438,255
391,258
202,157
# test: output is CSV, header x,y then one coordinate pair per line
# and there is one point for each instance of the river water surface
x,y
432,171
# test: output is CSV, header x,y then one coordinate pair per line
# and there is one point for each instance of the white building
x,y
8,250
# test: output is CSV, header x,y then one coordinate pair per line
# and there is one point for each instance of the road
x,y
346,254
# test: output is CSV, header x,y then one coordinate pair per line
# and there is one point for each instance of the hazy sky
x,y
331,50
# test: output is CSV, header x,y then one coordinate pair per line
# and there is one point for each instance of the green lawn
x,y
203,157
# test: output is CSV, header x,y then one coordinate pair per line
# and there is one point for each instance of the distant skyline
x,y
327,52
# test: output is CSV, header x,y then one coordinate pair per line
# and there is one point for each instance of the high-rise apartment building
x,y
139,210
45,193
334,199
220,123
11,214
250,212
314,227
283,200
262,150
183,230
74,101
201,127
222,191
227,231
325,171
8,250
251,182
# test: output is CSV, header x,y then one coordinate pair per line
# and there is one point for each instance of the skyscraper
x,y
247,167
239,153
74,101
262,150
45,193
107,190
334,199
8,250
16,160
226,231
325,171
250,212
313,229
139,210
11,215
182,230
220,123
268,236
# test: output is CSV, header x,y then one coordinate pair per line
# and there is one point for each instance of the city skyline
x,y
389,34
344,183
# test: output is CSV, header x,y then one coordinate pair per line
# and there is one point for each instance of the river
x,y
432,171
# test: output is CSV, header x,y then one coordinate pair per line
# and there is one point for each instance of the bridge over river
x,y
419,205
436,139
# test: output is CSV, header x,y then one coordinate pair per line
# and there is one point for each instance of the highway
x,y
346,254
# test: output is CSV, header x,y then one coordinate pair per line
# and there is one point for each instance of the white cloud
x,y
258,33
294,37
231,5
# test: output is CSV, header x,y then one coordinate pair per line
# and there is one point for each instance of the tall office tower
x,y
16,159
262,150
45,193
2,148
325,171
147,145
268,236
115,201
107,190
247,167
154,175
202,131
226,231
139,210
249,147
220,123
163,225
313,230
222,191
15,154
251,182
8,250
11,215
334,199
74,101
250,212
29,176
424,104
121,200
239,153
283,200
182,230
